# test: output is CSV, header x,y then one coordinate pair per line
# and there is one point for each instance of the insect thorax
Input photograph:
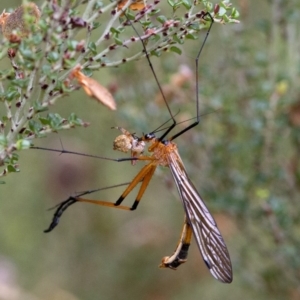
x,y
162,150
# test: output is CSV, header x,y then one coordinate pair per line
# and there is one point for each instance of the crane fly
x,y
163,152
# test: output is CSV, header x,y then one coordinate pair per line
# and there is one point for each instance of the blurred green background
x,y
243,158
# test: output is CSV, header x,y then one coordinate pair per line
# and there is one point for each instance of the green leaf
x,y
23,144
92,46
26,52
178,40
195,26
162,19
34,126
171,3
37,39
38,107
224,4
176,5
72,44
12,94
43,25
22,83
222,11
95,25
74,120
146,23
6,74
53,56
69,63
235,13
155,37
154,12
87,72
3,141
46,69
191,36
98,5
130,15
187,4
209,6
176,50
156,53
44,121
56,121
226,18
12,169
116,30
118,41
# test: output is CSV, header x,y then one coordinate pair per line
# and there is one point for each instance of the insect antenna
x,y
158,129
178,123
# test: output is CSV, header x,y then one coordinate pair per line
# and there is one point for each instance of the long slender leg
x,y
181,252
143,187
206,14
143,176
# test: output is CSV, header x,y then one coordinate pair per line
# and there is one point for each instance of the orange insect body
x,y
161,152
94,89
129,142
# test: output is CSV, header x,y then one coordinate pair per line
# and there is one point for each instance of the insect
x,y
94,89
163,152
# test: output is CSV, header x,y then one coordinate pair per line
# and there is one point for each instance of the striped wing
x,y
208,237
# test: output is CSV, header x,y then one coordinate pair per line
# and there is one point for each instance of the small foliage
x,y
43,50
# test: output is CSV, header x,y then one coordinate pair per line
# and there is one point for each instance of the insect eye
x,y
149,136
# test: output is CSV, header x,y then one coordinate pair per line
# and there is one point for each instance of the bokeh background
x,y
243,158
